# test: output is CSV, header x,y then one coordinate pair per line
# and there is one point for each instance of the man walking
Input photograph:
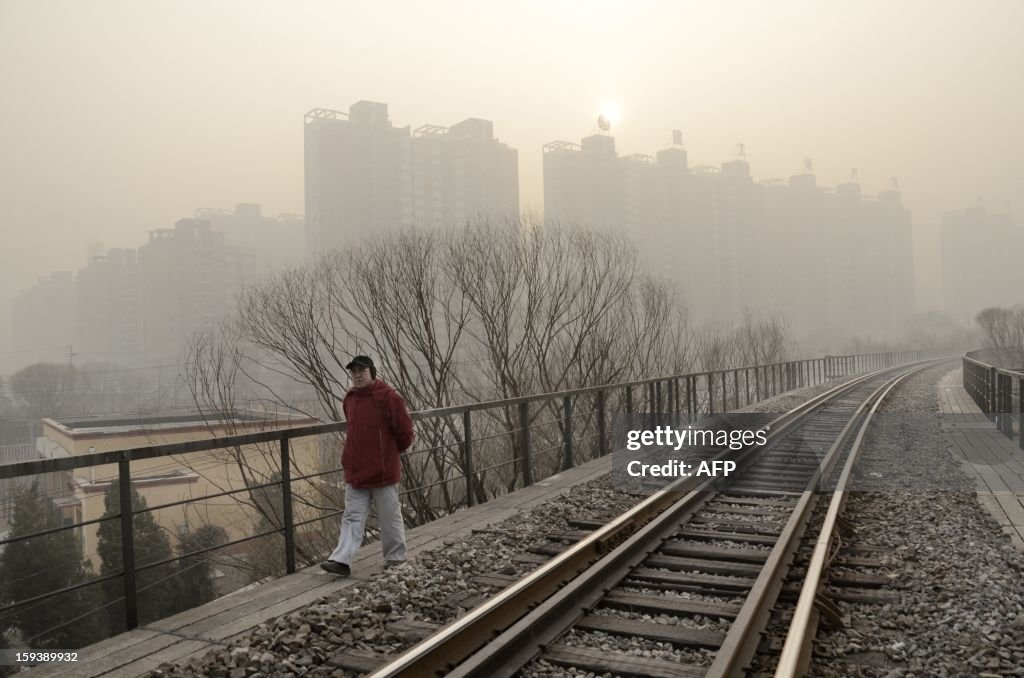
x,y
379,429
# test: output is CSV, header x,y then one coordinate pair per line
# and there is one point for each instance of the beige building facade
x,y
173,478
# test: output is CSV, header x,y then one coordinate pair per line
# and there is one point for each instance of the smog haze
x,y
122,117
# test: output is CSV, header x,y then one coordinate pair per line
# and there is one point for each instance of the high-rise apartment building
x,y
833,263
670,211
584,183
265,243
365,176
461,172
109,308
142,306
43,320
893,286
358,174
188,280
485,173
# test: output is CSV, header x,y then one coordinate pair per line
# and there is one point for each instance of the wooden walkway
x,y
220,622
995,461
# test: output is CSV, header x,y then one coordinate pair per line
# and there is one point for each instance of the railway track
x,y
709,549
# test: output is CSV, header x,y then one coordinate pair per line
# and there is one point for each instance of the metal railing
x,y
583,419
997,391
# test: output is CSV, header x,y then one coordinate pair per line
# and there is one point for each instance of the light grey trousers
x,y
353,523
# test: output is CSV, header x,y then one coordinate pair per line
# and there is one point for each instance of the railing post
x,y
524,442
991,392
657,397
1005,405
725,394
711,394
1008,404
1020,411
691,395
629,400
757,383
678,405
131,594
286,501
567,435
1000,420
602,424
736,389
467,456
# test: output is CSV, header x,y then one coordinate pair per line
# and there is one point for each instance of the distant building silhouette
x,y
363,175
43,320
834,263
266,243
139,307
109,308
358,170
462,171
584,183
188,277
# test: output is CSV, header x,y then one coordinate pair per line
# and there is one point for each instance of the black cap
x,y
360,361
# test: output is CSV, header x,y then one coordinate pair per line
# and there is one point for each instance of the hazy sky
x,y
119,117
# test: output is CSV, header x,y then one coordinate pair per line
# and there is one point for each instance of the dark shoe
x,y
334,567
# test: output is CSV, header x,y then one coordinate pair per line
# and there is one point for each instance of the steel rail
x,y
796,650
504,625
741,640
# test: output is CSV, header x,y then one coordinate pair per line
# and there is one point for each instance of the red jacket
x,y
379,428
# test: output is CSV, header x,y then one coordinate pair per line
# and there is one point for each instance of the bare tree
x,y
47,389
493,309
762,340
1002,331
218,372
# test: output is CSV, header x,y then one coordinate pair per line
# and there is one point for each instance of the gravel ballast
x,y
959,580
432,588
